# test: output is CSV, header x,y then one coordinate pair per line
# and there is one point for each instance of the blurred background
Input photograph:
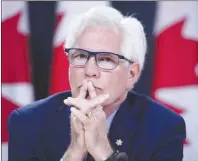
x,y
34,65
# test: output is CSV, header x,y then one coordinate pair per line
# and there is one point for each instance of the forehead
x,y
100,39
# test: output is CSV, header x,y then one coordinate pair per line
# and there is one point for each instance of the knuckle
x,y
84,110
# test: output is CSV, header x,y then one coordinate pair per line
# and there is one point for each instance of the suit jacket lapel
x,y
126,122
62,130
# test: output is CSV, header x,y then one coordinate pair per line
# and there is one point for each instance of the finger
x,y
84,105
76,102
72,117
91,90
76,123
95,102
83,90
83,118
67,101
99,111
80,104
99,107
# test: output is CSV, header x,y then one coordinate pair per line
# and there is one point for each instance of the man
x,y
101,118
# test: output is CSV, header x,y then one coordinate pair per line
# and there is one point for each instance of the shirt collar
x,y
109,119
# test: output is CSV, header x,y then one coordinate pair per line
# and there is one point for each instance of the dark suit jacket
x,y
149,131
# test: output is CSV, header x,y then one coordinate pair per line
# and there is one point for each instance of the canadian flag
x,y
176,65
17,89
66,11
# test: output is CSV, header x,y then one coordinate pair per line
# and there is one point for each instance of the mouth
x,y
97,88
98,91
87,95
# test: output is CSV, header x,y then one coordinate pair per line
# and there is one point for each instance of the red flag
x,y
66,11
16,85
176,65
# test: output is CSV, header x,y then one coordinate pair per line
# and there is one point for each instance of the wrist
x,y
118,156
74,154
103,153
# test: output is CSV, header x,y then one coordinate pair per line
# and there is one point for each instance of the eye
x,y
108,58
80,56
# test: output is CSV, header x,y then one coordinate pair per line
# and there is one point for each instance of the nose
x,y
91,68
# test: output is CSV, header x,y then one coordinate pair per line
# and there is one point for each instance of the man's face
x,y
112,82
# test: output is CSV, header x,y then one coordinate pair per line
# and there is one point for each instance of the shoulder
x,y
37,111
160,126
49,103
154,108
157,115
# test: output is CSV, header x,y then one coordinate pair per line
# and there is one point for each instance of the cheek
x,y
120,83
75,76
116,83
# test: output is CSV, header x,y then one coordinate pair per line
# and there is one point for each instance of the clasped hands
x,y
88,126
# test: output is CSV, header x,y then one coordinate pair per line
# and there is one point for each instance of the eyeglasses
x,y
104,60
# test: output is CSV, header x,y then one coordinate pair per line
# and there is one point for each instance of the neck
x,y
108,109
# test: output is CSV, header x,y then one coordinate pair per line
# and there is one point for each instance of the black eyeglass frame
x,y
94,54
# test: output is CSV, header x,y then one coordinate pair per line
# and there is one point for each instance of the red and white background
x,y
17,89
176,65
175,74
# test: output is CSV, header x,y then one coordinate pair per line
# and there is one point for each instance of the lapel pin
x,y
119,142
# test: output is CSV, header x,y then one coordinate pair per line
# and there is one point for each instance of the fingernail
x,y
69,98
65,101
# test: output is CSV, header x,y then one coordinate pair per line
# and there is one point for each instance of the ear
x,y
133,74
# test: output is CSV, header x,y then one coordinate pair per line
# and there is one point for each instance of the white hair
x,y
134,43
